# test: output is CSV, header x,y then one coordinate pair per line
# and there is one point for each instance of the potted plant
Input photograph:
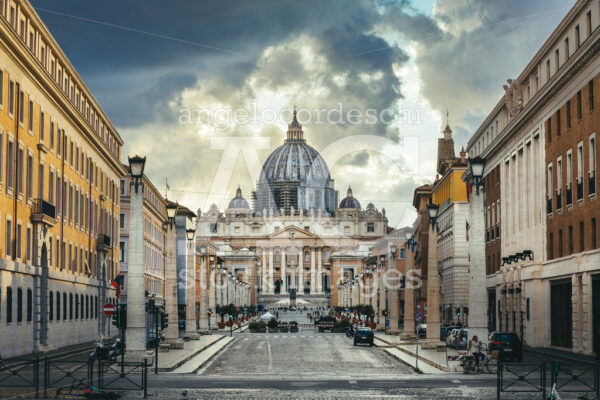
x,y
293,326
284,327
222,311
257,326
272,325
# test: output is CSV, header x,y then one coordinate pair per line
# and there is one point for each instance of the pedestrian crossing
x,y
282,336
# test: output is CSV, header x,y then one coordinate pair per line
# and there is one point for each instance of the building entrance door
x,y
561,312
596,313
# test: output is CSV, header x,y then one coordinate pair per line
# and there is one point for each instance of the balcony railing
x,y
569,193
558,200
43,212
103,243
580,189
549,206
592,184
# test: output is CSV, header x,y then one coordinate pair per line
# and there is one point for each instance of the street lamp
x,y
190,233
433,212
136,169
477,166
171,211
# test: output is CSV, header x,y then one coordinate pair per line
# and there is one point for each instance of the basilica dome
x,y
295,176
349,201
238,202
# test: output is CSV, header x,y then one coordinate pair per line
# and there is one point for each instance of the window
x,y
594,243
19,305
591,94
579,105
570,239
122,221
581,237
9,305
51,186
11,98
560,243
122,251
29,305
42,133
28,241
57,254
64,306
58,306
76,306
579,162
550,188
30,117
51,306
70,306
557,59
1,88
8,238
21,109
577,36
549,130
567,50
589,23
51,135
18,241
29,176
547,70
20,171
370,227
568,114
569,169
558,123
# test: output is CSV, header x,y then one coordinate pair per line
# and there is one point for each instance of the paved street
x,y
304,354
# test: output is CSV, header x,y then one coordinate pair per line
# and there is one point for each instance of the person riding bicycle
x,y
475,349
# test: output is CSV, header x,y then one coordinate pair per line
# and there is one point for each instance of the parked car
x,y
506,346
364,335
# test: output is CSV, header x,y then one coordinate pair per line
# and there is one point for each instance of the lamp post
x,y
171,309
433,286
477,318
136,296
203,318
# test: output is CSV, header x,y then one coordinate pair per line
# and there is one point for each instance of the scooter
x,y
116,350
350,332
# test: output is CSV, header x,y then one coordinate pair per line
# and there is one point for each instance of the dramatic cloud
x,y
147,63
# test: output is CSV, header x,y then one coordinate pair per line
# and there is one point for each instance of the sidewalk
x,y
170,360
204,356
430,361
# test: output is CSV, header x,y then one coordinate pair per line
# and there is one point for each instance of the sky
x,y
205,89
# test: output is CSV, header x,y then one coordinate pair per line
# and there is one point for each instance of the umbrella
x,y
267,316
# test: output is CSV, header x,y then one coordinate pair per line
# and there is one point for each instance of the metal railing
x,y
521,378
41,206
20,376
580,378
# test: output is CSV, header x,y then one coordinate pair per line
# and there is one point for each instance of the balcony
x,y
559,200
103,243
43,212
569,193
579,189
549,206
592,184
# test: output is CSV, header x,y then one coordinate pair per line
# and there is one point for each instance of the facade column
x,y
433,292
409,298
319,270
283,277
313,276
136,297
264,272
191,316
393,284
301,270
212,298
203,296
270,274
172,331
477,318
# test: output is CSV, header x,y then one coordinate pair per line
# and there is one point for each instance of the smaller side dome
x,y
238,202
349,201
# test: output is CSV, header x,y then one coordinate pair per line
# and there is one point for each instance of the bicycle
x,y
469,364
86,391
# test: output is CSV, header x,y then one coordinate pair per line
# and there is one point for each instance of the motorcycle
x,y
116,350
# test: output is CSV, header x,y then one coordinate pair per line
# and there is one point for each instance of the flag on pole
x,y
116,283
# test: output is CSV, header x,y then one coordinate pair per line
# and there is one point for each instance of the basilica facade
x,y
295,238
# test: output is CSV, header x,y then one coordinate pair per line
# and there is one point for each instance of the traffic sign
x,y
108,309
418,315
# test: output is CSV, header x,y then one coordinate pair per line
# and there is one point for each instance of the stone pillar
x,y
283,277
409,298
136,297
433,292
264,272
190,292
270,274
212,299
172,331
313,273
203,317
393,285
477,318
301,271
319,271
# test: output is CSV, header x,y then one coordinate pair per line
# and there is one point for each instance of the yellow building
x,y
59,193
450,194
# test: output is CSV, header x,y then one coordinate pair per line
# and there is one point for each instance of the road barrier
x,y
25,378
574,378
